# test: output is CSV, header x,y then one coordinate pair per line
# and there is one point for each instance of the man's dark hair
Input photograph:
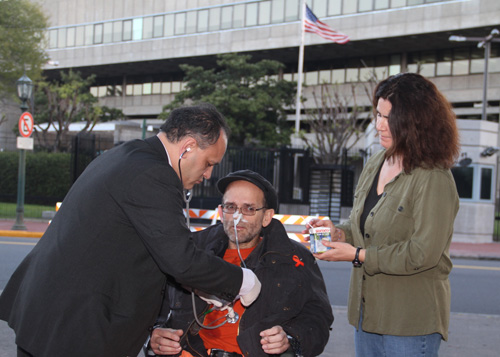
x,y
203,122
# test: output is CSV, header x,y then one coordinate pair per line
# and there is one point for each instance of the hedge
x,y
48,176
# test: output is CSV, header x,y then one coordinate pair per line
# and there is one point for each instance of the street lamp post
x,y
24,91
483,42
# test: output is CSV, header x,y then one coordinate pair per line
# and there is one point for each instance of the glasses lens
x,y
228,208
248,210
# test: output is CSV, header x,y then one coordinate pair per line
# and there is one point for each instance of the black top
x,y
371,200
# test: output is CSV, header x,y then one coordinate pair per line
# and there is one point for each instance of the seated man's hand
x,y
165,341
274,340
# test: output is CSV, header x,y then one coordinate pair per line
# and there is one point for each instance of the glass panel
x,y
239,16
477,66
180,23
251,14
415,2
352,75
146,88
277,11
428,69
325,76
349,7
108,32
214,19
288,77
94,91
169,25
165,88
127,30
292,10
147,27
117,31
102,91
176,87
203,21
413,68
61,38
158,26
381,4
191,21
486,180
70,37
443,69
264,13
227,17
365,5
494,65
89,34
52,38
156,88
137,89
311,78
334,7
464,180
394,69
460,67
320,8
338,76
398,3
98,33
80,36
129,89
137,29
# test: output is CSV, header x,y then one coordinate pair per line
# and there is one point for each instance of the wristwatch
x,y
356,262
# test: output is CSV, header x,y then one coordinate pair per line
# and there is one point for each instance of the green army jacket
x,y
403,284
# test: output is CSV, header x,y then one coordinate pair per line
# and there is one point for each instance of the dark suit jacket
x,y
94,283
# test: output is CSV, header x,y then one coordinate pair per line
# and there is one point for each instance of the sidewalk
x,y
488,251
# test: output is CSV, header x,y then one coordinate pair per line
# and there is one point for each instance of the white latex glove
x,y
212,299
250,287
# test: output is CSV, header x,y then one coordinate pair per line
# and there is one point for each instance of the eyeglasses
x,y
246,210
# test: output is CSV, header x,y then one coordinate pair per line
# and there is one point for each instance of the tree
x,y
58,104
337,123
250,96
22,27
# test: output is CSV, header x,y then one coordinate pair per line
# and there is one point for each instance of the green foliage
x,y
250,96
22,24
60,103
8,210
47,175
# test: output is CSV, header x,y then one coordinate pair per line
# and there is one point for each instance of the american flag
x,y
312,24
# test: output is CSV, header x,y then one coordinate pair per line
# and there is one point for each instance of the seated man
x,y
292,314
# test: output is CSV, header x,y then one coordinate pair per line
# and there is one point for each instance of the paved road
x,y
471,334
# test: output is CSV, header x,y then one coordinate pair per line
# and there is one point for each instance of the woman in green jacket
x,y
400,228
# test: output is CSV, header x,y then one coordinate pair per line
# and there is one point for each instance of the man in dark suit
x,y
94,283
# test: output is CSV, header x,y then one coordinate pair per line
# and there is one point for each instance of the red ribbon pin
x,y
297,261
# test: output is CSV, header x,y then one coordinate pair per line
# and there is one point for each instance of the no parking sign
x,y
26,124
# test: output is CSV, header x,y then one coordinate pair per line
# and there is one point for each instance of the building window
x,y
239,16
277,11
265,13
474,182
98,33
191,21
169,25
147,28
107,34
137,29
127,30
227,17
117,31
158,26
214,19
251,14
203,21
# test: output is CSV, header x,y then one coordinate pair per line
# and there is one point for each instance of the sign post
x,y
24,142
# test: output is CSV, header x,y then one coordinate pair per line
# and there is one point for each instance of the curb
x,y
24,234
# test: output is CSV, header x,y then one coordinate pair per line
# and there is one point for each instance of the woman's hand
x,y
337,234
339,252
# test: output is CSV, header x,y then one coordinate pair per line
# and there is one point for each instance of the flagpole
x,y
301,66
